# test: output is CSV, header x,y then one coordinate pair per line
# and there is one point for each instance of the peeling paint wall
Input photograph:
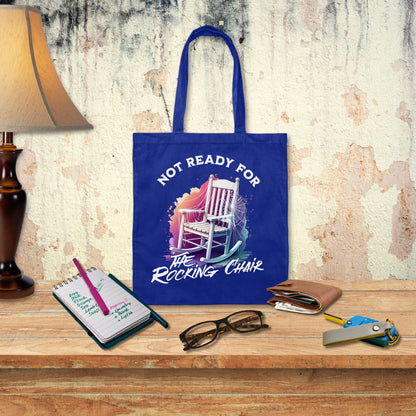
x,y
337,76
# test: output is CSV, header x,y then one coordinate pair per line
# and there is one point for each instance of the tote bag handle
x,y
182,87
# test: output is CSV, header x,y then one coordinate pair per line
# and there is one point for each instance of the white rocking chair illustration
x,y
217,221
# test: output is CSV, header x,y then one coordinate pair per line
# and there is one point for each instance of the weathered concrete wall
x,y
337,76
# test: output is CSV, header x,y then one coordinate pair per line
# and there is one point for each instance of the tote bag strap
x,y
182,87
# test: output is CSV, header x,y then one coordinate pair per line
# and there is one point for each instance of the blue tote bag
x,y
210,209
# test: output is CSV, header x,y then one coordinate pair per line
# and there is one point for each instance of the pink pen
x,y
93,290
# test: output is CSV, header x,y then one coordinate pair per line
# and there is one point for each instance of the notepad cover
x,y
105,330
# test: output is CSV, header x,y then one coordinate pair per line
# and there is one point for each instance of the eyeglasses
x,y
204,333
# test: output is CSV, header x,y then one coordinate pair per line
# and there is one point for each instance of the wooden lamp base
x,y
13,284
15,288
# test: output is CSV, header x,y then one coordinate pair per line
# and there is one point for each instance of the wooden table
x,y
48,365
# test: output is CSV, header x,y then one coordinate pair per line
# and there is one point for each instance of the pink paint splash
x,y
196,200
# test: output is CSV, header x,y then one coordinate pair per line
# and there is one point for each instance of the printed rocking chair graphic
x,y
217,222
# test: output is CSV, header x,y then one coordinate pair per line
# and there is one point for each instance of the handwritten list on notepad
x,y
126,312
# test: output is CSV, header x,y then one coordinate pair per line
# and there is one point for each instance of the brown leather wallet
x,y
303,296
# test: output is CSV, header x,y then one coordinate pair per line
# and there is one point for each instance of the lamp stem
x,y
7,138
13,284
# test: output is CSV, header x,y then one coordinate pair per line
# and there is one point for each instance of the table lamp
x,y
32,98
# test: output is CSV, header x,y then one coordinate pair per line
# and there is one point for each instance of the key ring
x,y
393,340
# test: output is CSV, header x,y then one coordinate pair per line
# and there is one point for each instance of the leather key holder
x,y
356,333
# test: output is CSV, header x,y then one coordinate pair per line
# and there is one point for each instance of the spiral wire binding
x,y
65,282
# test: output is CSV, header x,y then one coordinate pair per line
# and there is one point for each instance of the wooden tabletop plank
x,y
189,404
41,325
126,380
157,352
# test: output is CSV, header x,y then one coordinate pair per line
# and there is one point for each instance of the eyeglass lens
x,y
201,334
245,321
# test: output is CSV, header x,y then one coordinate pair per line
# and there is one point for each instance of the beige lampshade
x,y
31,95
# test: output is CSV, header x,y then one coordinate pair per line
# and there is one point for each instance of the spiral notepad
x,y
126,310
